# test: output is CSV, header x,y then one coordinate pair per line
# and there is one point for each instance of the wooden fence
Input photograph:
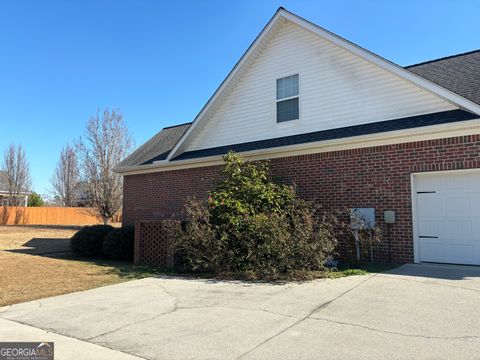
x,y
11,215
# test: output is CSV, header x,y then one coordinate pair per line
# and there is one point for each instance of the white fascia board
x,y
423,83
462,128
225,82
2,192
385,64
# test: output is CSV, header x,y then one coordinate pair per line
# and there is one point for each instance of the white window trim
x,y
299,97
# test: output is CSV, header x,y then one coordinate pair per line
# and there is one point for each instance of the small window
x,y
287,98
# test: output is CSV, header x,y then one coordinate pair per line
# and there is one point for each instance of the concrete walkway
x,y
65,347
416,311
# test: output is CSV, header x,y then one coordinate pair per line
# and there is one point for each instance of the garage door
x,y
448,217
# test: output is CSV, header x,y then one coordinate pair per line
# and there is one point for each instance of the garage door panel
x,y
458,229
429,183
431,227
456,182
476,231
475,203
430,206
460,253
448,217
456,206
433,251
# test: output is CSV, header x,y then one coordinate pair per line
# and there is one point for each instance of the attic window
x,y
287,98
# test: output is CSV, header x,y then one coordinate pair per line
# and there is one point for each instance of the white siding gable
x,y
337,89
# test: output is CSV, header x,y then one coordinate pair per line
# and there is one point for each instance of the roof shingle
x,y
157,148
458,73
444,117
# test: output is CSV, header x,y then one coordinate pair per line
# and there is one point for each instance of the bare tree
x,y
66,179
107,142
17,173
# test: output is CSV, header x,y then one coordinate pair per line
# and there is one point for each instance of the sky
x,y
160,61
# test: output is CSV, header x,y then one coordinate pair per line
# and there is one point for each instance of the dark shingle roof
x,y
444,117
157,148
458,73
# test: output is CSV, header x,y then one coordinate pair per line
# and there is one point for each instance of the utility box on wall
x,y
362,218
389,216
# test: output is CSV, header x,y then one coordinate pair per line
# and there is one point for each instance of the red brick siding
x,y
377,177
161,195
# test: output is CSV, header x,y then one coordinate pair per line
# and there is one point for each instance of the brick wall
x,y
377,177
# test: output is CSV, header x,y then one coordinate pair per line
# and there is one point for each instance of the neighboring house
x,y
348,127
5,196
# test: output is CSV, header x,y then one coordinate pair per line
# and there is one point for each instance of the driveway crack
x,y
235,308
174,308
315,310
54,331
432,337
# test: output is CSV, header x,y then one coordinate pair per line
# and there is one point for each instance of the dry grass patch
x,y
20,237
25,275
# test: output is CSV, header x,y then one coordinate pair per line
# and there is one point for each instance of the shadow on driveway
x,y
437,271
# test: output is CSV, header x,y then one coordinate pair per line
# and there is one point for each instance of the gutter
x,y
461,128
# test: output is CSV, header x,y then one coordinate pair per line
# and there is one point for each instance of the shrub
x,y
35,200
247,189
252,227
89,240
118,244
197,248
367,240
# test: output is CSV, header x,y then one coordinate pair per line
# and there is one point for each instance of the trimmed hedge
x,y
89,240
118,244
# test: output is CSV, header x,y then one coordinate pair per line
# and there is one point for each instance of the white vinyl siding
x,y
338,89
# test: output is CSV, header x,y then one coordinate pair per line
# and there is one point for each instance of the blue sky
x,y
159,61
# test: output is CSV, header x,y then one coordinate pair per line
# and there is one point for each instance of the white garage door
x,y
448,217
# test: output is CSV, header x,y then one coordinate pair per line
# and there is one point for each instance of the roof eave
x,y
398,136
5,192
367,55
388,65
226,81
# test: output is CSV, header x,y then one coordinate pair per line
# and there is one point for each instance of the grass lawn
x,y
35,262
362,269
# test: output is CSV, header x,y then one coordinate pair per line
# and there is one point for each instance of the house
x,y
349,128
6,194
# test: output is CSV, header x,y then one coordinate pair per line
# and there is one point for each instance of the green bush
x,y
118,244
89,240
35,200
252,227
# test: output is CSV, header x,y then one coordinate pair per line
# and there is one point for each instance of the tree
x,y
35,200
17,173
107,141
66,179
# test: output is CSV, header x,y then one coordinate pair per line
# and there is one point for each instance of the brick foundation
x,y
377,177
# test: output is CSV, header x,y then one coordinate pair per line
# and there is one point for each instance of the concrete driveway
x,y
415,311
